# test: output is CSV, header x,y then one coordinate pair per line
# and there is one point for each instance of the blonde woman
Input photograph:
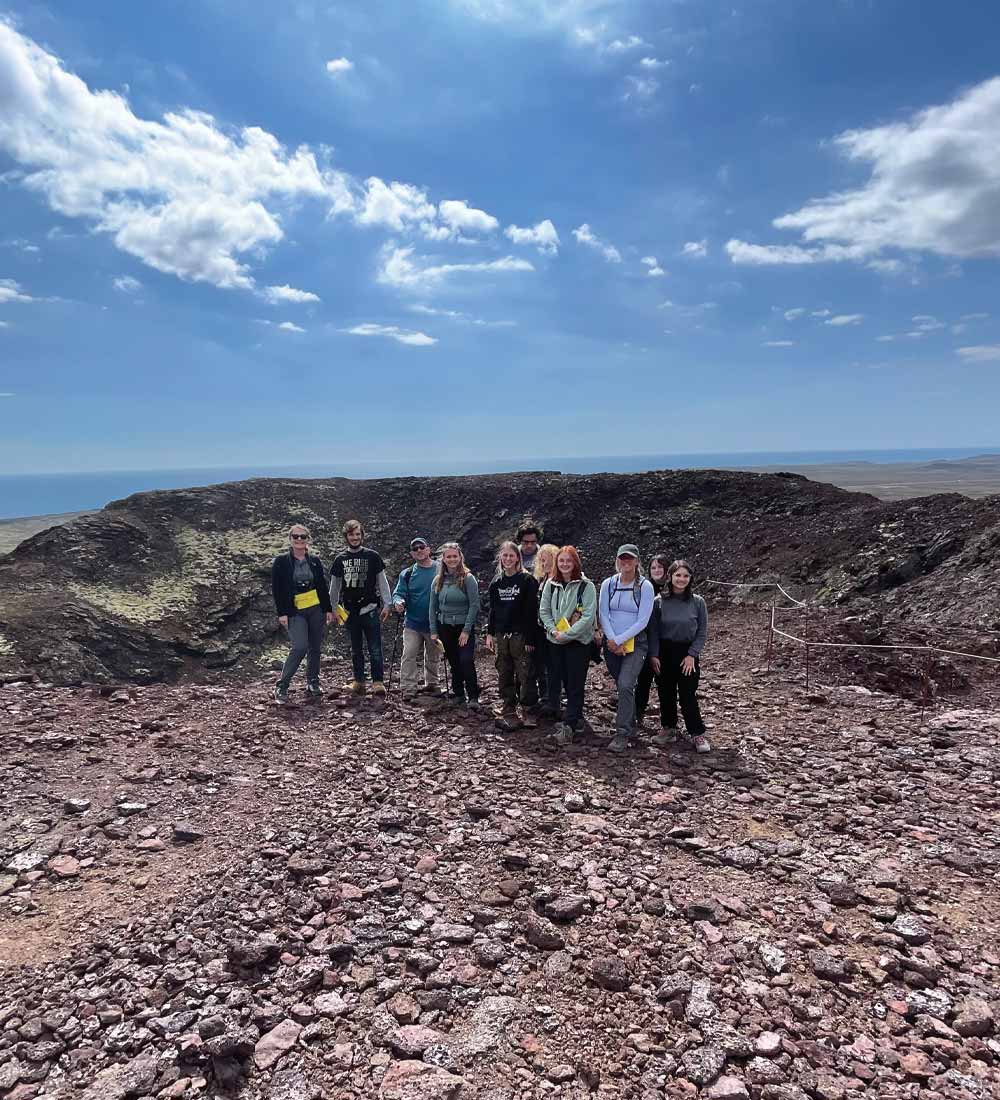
x,y
538,674
453,608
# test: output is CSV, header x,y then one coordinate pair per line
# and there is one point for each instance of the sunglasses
x,y
301,538
422,546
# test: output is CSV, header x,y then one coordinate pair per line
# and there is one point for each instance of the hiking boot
x,y
378,688
618,743
508,721
407,697
701,743
546,713
563,735
473,704
280,694
528,720
355,687
313,690
455,700
428,689
666,738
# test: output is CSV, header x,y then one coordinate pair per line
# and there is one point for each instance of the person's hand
x,y
489,642
400,607
329,618
614,648
558,635
437,641
384,614
283,619
463,638
655,664
687,666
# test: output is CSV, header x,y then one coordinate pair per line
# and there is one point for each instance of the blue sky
x,y
241,233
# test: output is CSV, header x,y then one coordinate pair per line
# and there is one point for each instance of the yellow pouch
x,y
342,614
306,599
629,646
563,624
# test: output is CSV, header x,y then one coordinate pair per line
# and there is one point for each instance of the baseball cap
x,y
418,541
627,549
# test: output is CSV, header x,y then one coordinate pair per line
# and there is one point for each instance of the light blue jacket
x,y
622,615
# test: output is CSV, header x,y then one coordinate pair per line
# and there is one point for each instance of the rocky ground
x,y
207,895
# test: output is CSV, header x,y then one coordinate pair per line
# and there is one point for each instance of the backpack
x,y
636,590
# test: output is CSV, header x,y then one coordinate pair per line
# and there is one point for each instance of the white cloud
x,y
842,319
794,314
182,195
653,63
653,264
584,235
11,291
886,339
403,336
983,353
276,295
779,343
457,315
695,249
641,87
460,217
622,45
934,186
339,65
974,317
820,313
399,270
925,323
290,326
741,252
127,284
543,236
394,205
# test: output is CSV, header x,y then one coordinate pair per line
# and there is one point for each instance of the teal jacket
x,y
455,605
559,601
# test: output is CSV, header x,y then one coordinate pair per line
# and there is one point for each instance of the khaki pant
x,y
417,644
513,663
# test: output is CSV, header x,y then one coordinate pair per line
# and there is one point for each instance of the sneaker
x,y
313,689
619,743
473,704
280,694
455,700
528,720
666,738
355,687
563,734
378,688
429,689
508,721
407,696
701,743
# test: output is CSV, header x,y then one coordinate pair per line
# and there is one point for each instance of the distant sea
x,y
49,494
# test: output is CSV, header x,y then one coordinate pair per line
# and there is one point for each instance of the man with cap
x,y
412,595
624,608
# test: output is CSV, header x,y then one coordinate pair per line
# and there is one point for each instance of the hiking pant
x,y
417,646
538,674
461,660
366,629
568,664
305,631
513,662
625,669
642,687
673,682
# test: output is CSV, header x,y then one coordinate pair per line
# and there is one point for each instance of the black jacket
x,y
283,587
514,606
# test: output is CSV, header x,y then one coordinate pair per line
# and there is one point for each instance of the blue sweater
x,y
622,617
414,589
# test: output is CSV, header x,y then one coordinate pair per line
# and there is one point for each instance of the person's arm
x,y
336,579
401,591
587,599
322,591
384,595
695,648
529,610
605,612
545,607
472,591
432,611
279,590
653,632
491,614
642,618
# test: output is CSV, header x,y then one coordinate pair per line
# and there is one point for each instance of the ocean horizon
x,y
42,494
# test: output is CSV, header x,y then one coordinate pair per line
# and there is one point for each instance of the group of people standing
x,y
546,623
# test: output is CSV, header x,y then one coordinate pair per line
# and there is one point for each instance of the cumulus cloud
x,y
779,343
182,195
584,236
653,63
278,295
127,284
622,45
339,65
393,205
842,319
653,266
458,315
543,236
641,87
983,353
697,250
460,217
794,314
398,269
741,252
934,187
12,291
403,336
290,326
926,323
820,313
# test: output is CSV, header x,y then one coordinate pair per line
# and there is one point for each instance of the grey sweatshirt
x,y
679,621
454,606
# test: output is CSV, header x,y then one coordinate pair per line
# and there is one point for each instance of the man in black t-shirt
x,y
359,585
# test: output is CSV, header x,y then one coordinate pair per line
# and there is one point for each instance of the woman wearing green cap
x,y
625,605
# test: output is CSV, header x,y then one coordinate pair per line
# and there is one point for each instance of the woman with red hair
x,y
568,609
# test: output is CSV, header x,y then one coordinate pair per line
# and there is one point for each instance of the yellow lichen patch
x,y
166,595
6,647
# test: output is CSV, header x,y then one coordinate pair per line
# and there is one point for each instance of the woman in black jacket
x,y
658,576
302,600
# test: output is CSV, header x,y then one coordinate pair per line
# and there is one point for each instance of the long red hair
x,y
577,573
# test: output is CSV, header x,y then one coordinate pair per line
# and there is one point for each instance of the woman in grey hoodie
x,y
678,629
